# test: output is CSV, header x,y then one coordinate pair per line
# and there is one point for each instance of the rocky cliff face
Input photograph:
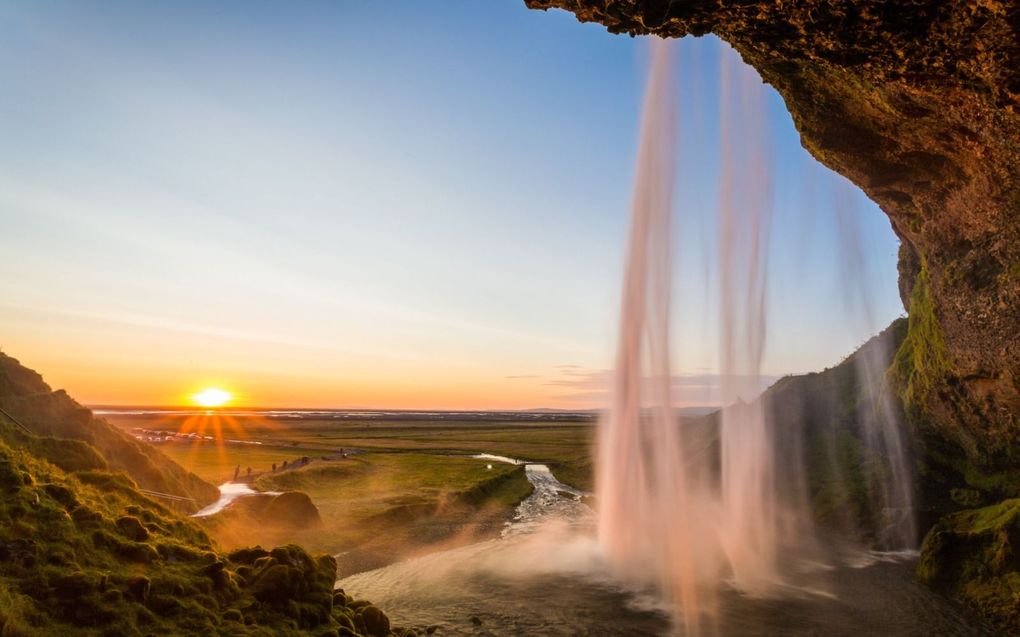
x,y
919,104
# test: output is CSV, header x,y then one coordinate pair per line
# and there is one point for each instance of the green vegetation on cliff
x,y
84,552
975,556
969,552
826,418
922,362
45,412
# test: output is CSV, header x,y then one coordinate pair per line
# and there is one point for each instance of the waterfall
x,y
748,494
644,496
689,507
882,430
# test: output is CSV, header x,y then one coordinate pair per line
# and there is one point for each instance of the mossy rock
x,y
277,584
292,509
132,528
138,588
61,494
138,552
247,555
970,498
106,481
975,555
70,455
377,624
74,585
345,620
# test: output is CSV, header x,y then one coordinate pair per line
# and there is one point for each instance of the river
x,y
546,577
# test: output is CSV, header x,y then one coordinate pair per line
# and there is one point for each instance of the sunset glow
x,y
212,397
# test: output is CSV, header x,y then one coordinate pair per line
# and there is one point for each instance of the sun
x,y
212,397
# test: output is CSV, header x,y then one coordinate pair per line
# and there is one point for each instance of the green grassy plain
x,y
216,463
564,446
403,488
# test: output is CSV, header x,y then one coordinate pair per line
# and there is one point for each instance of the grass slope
x,y
82,552
379,507
45,412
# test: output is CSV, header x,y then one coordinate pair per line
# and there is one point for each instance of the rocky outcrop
x,y
287,511
919,104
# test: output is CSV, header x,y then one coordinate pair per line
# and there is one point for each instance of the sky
x,y
387,205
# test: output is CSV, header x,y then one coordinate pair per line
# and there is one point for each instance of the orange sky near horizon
x,y
101,362
152,387
114,363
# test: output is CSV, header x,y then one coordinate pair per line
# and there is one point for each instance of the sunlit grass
x,y
412,483
565,446
216,463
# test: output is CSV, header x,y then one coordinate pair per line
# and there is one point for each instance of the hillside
x,y
25,396
83,552
968,518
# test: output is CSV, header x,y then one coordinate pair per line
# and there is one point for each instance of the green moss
x,y
922,361
966,497
943,462
507,489
69,455
86,554
974,555
16,610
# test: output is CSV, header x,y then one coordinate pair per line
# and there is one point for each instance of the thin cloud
x,y
592,387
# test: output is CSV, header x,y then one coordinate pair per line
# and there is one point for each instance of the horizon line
x,y
111,406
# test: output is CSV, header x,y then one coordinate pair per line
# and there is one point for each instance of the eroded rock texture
x,y
917,102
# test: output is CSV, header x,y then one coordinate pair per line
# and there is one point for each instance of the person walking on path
x,y
237,472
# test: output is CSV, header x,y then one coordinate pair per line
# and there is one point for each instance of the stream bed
x,y
545,577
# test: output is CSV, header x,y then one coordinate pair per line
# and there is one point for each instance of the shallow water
x,y
546,576
229,491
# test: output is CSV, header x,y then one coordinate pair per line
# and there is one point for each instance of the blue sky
x,y
370,204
